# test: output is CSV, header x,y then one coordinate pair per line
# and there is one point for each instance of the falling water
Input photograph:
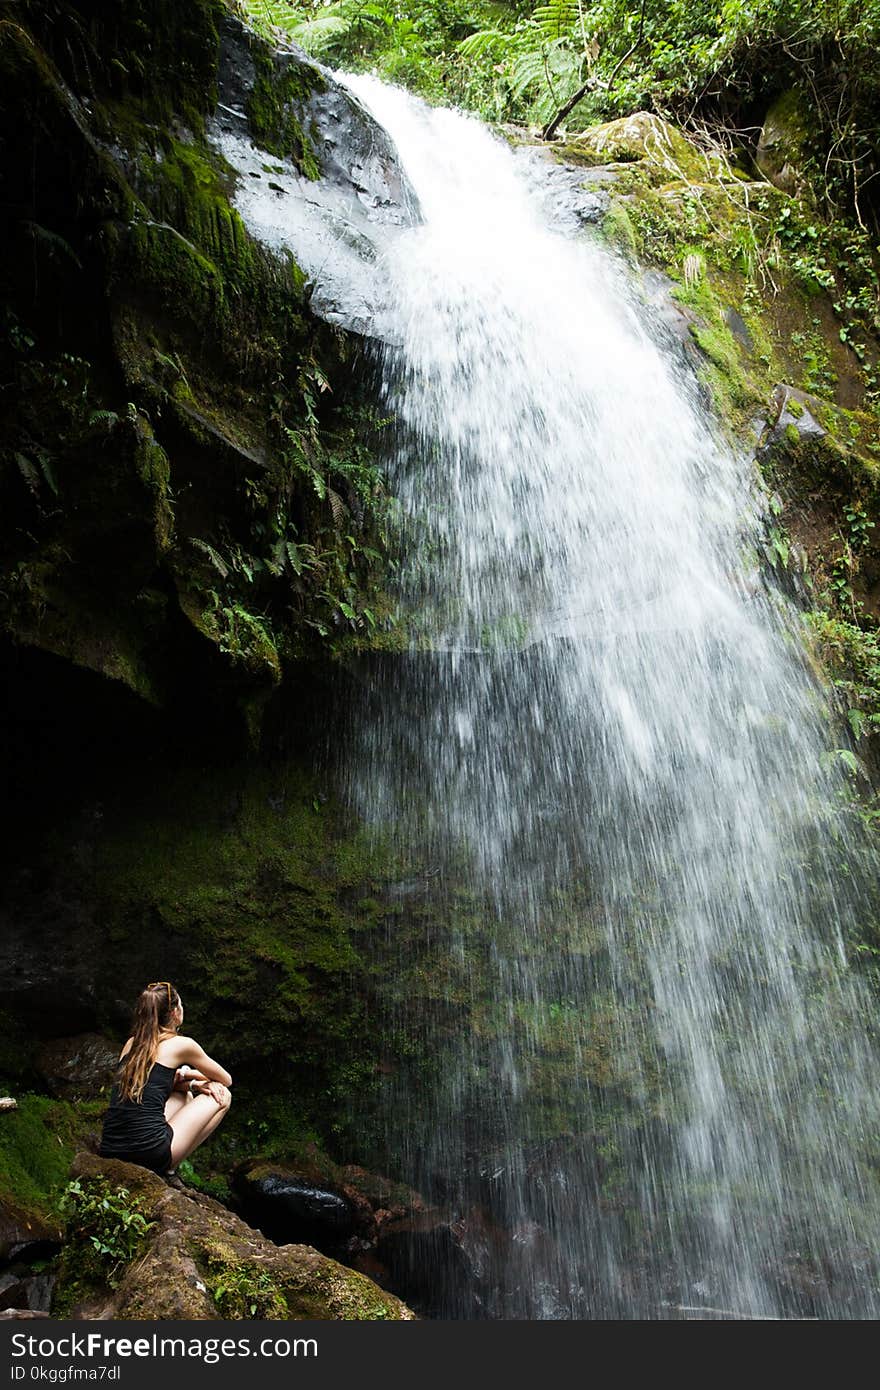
x,y
622,1025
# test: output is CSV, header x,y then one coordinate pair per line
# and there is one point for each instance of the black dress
x,y
137,1131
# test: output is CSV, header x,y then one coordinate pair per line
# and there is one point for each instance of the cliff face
x,y
193,523
188,488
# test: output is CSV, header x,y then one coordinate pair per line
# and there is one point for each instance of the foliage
x,y
243,1291
854,654
110,1219
37,1142
702,60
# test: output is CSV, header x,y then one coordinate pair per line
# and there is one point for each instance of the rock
x,y
782,145
9,1313
675,320
387,1198
300,1203
24,1234
437,1259
200,1261
643,138
793,412
288,1207
78,1068
332,210
27,1291
7,1103
569,198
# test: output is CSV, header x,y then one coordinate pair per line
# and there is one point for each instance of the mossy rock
x,y
784,143
199,1261
172,390
661,151
37,1142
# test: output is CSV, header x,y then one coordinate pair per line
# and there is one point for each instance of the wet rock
x,y
333,206
388,1199
793,413
199,1261
570,198
739,328
78,1068
342,1207
675,320
290,1206
437,1259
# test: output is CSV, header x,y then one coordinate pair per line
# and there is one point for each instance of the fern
x,y
557,21
32,473
485,43
319,35
104,417
217,560
338,508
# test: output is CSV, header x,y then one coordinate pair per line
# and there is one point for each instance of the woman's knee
x,y
223,1097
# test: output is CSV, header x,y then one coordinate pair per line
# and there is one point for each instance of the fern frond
x,y
484,42
318,35
217,561
556,20
527,71
338,508
28,472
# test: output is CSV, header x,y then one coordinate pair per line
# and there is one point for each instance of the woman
x,y
169,1094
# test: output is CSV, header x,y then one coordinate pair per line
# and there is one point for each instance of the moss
x,y
275,108
261,897
659,149
617,227
172,266
37,1143
240,1289
201,1261
156,56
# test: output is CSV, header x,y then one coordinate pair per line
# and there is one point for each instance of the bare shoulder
x,y
188,1048
175,1050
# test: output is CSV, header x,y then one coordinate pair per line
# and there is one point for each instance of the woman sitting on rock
x,y
169,1094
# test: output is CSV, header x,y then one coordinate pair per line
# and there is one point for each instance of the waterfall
x,y
620,1020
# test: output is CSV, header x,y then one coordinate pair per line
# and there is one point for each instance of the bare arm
x,y
195,1056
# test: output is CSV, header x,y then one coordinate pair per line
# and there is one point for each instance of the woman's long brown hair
x,y
152,1017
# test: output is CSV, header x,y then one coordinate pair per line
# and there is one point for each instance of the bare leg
x,y
175,1102
191,1124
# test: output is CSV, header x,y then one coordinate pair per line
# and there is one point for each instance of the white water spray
x,y
608,742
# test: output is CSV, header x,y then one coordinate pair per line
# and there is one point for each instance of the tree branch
x,y
552,126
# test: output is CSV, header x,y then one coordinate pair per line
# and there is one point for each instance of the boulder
x,y
24,1233
641,138
783,144
338,1209
198,1260
330,197
438,1259
78,1068
295,1206
25,1290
